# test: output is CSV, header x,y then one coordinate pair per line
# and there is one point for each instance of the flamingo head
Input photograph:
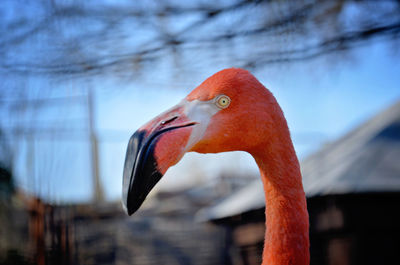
x,y
229,111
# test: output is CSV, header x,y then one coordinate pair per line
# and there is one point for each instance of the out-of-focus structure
x,y
353,190
163,232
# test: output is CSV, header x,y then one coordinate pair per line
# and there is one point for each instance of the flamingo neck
x,y
286,216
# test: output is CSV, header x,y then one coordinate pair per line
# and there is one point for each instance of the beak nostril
x,y
169,120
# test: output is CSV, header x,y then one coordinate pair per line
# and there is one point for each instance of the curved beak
x,y
152,149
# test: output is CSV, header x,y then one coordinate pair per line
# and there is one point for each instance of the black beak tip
x,y
140,171
128,210
132,204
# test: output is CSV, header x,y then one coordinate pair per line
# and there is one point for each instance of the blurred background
x,y
79,77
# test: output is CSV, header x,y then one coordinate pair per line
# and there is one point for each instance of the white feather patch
x,y
200,112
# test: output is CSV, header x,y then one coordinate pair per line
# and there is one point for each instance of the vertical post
x,y
98,195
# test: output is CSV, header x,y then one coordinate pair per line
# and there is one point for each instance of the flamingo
x,y
229,111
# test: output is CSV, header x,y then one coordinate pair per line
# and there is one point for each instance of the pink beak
x,y
152,149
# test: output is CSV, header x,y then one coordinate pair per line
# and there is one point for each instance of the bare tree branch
x,y
90,39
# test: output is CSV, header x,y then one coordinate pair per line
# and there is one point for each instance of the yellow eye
x,y
223,101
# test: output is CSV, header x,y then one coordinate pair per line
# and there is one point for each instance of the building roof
x,y
364,160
